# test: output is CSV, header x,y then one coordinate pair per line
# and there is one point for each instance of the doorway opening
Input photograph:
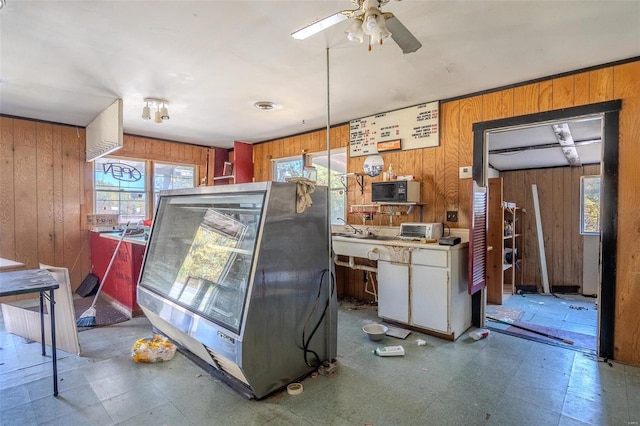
x,y
538,182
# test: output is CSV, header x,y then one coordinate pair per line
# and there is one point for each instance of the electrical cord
x,y
307,341
448,229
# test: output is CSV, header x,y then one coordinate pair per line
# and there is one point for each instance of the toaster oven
x,y
419,230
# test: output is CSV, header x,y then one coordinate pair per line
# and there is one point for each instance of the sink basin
x,y
367,236
382,237
359,236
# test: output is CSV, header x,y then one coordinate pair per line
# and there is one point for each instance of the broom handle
x,y
106,273
551,336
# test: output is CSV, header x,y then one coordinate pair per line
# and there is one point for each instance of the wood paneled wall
x,y
559,197
46,190
437,167
165,152
43,195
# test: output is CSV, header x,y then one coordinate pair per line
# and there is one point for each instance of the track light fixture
x,y
146,112
160,105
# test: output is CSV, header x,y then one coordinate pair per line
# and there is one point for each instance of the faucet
x,y
355,230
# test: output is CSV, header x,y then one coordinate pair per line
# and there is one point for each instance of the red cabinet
x,y
121,283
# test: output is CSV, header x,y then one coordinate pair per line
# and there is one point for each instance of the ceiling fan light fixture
x,y
382,25
354,32
370,25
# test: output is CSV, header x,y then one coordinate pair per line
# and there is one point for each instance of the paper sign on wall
x,y
416,127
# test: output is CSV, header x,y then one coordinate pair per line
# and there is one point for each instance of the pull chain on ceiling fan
x,y
367,20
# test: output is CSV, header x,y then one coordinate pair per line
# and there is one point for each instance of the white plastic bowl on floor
x,y
376,332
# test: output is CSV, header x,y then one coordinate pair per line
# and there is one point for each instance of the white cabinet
x,y
428,293
393,291
429,301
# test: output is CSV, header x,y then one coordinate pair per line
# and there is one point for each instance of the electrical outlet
x,y
452,215
465,172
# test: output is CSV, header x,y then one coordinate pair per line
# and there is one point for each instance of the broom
x,y
88,318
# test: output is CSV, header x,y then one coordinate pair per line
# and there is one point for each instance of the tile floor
x,y
571,312
500,380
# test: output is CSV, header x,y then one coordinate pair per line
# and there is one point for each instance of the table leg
x,y
44,352
52,314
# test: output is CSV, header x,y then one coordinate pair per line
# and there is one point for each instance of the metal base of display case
x,y
234,383
231,381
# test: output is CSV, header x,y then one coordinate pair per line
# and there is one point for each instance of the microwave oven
x,y
396,191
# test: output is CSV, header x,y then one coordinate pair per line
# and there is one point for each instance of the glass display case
x,y
234,275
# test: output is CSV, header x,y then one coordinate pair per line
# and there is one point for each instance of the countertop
x,y
389,232
399,243
137,239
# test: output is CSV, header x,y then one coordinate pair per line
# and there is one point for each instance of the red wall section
x,y
123,277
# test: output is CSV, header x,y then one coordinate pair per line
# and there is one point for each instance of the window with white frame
x,y
293,167
123,186
171,176
590,205
288,167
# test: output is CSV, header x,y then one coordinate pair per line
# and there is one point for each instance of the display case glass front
x,y
201,251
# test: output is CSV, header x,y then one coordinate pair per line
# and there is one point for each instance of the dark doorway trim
x,y
609,201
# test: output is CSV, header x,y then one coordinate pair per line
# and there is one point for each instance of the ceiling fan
x,y
366,20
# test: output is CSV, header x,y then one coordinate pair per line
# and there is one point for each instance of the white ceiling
x,y
537,146
66,61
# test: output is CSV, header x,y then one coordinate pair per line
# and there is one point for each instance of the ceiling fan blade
x,y
320,25
402,36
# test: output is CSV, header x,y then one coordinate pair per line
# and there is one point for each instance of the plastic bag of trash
x,y
153,349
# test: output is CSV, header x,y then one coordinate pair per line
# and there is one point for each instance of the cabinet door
x,y
429,297
393,291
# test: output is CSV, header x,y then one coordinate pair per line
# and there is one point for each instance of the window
x,y
122,186
293,166
284,168
590,205
171,176
337,192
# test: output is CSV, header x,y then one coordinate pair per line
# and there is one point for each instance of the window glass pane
x,y
338,167
287,167
201,252
120,188
131,206
119,175
337,193
590,205
171,176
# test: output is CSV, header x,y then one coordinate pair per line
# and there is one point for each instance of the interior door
x,y
478,239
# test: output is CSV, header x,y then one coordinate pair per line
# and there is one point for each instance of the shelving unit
x,y
386,208
504,236
241,157
511,246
